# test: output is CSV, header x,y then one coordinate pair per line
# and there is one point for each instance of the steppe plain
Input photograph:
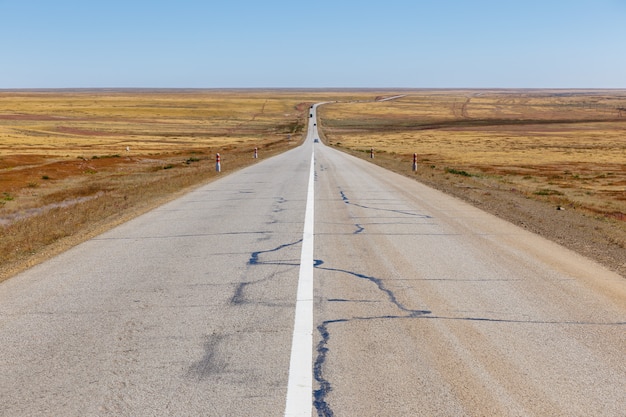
x,y
75,162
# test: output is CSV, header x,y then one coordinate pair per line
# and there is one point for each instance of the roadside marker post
x,y
256,153
414,162
372,153
218,164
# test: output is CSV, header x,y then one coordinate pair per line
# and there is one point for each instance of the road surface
x,y
422,305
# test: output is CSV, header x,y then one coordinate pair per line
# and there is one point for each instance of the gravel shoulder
x,y
594,237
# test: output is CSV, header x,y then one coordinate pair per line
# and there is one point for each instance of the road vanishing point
x,y
314,283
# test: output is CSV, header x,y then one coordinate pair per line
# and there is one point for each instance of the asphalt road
x,y
422,306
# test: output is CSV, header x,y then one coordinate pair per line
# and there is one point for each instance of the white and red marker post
x,y
372,153
218,163
256,153
414,162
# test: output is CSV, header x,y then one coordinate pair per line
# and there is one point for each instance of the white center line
x,y
300,385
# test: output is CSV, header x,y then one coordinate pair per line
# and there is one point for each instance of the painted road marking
x,y
300,385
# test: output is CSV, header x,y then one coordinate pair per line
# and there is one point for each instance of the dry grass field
x,y
563,148
75,162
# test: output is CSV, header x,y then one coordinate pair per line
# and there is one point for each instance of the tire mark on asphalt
x,y
277,208
209,364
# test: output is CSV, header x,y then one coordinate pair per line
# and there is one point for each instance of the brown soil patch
x,y
29,169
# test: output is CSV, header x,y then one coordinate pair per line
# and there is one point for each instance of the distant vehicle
x,y
311,115
316,140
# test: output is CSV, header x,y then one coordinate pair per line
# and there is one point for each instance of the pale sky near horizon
x,y
312,44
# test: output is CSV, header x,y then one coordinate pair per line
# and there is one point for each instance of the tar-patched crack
x,y
254,257
319,395
360,228
346,200
254,260
381,286
322,407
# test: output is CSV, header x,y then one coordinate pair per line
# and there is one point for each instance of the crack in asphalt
x,y
381,286
360,228
322,407
210,364
254,258
325,387
238,297
261,232
346,200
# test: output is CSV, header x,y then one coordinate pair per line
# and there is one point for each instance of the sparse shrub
x,y
45,177
458,172
547,191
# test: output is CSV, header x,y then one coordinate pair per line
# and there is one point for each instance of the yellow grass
x,y
76,123
571,144
65,170
73,163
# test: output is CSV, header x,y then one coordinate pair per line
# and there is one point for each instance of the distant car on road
x,y
316,140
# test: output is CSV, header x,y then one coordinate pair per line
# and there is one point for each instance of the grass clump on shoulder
x,y
458,172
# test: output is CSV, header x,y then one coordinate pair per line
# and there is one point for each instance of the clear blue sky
x,y
316,43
